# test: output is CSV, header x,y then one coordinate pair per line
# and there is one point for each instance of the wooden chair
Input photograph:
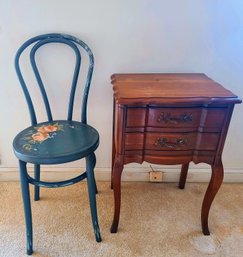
x,y
56,141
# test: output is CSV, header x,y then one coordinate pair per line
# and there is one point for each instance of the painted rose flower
x,y
40,137
47,129
39,134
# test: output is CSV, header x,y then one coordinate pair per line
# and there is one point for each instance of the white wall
x,y
126,36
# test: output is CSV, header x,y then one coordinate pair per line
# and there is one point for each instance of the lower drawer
x,y
171,141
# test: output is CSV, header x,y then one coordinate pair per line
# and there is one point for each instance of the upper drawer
x,y
174,117
186,117
136,117
198,118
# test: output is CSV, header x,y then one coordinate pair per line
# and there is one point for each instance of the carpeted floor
x,y
156,220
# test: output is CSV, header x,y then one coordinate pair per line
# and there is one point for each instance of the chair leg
x,y
90,161
26,204
37,177
94,163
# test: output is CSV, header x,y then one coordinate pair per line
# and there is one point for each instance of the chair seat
x,y
55,142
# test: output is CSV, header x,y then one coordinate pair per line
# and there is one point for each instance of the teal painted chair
x,y
56,141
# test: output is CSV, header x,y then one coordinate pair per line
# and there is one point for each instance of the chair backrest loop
x,y
71,41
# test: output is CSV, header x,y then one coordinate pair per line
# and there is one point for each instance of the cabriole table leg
x,y
213,187
183,176
116,182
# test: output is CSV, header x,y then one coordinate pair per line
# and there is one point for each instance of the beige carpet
x,y
156,220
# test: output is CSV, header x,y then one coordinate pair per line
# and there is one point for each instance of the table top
x,y
167,87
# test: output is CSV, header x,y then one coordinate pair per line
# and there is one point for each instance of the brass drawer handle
x,y
168,118
164,142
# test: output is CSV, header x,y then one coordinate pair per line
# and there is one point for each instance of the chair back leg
x,y
94,163
37,177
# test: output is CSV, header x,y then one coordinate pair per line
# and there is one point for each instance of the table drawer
x,y
134,141
171,141
136,117
211,118
181,141
174,117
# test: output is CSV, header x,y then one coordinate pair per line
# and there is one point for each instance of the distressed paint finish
x,y
56,141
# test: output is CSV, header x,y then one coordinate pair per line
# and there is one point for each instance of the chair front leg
x,y
90,162
26,204
37,177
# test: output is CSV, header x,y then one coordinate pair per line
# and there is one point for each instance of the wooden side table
x,y
170,119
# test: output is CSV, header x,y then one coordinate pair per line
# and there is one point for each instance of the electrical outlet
x,y
155,176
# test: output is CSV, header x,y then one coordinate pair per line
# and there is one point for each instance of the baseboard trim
x,y
51,173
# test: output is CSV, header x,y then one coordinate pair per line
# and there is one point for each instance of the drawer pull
x,y
164,142
168,118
